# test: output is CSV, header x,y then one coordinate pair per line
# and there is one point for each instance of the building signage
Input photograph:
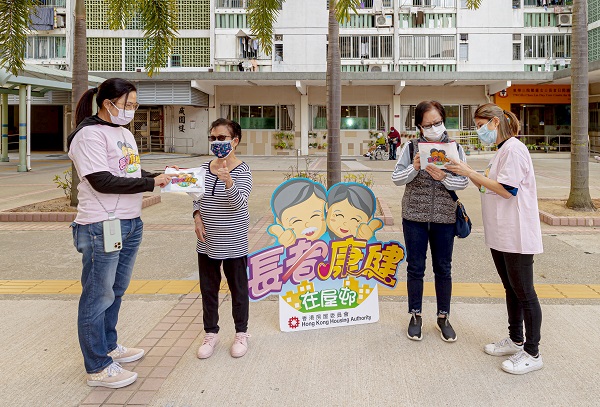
x,y
326,262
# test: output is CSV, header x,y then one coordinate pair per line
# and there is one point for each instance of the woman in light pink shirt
x,y
512,232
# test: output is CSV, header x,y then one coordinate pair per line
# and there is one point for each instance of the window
x,y
278,53
46,48
516,3
363,117
468,123
452,117
427,46
264,117
231,21
516,52
548,46
464,37
175,61
366,46
463,52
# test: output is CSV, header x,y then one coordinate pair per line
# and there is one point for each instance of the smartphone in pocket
x,y
112,234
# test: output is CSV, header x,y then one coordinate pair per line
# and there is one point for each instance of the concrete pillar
x,y
4,128
22,167
304,124
397,112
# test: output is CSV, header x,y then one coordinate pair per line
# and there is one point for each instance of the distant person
x,y
106,158
394,140
512,232
379,142
428,218
222,221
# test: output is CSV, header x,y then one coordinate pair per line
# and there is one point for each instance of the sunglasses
x,y
437,124
220,138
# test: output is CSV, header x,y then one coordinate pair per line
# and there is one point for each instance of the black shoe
x,y
414,327
447,332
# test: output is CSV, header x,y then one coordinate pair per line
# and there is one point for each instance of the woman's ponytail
x,y
84,106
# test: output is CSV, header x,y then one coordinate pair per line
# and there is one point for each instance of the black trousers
x,y
210,283
522,304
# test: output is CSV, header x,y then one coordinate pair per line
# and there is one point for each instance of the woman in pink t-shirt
x,y
107,230
512,232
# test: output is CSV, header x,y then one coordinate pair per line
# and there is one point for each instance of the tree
x,y
261,16
159,18
579,195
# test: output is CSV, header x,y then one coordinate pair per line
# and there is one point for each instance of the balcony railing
x,y
54,3
376,4
434,3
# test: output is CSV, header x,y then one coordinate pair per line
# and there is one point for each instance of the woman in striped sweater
x,y
221,222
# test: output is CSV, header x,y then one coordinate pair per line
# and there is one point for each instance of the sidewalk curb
x,y
552,220
60,216
387,217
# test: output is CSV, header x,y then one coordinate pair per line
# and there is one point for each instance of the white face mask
x,y
434,133
122,118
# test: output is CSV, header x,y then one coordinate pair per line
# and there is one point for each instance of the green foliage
x,y
306,173
64,182
14,26
360,178
473,4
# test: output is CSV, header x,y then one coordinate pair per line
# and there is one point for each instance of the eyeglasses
x,y
129,106
220,138
436,124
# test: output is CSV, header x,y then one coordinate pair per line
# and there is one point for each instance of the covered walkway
x,y
32,81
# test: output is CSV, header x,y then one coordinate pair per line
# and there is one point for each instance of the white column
x,y
397,112
304,124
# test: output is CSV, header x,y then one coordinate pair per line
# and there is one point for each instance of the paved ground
x,y
372,364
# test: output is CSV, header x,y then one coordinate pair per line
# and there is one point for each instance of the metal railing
x,y
53,3
231,3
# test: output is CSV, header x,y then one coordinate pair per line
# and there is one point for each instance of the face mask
x,y
487,136
434,133
123,117
221,148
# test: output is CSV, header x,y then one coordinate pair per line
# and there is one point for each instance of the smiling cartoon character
x,y
299,209
131,160
350,211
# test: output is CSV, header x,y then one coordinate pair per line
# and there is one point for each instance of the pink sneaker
x,y
208,345
240,344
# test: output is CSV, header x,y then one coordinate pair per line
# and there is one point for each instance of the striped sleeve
x,y
455,182
240,190
404,171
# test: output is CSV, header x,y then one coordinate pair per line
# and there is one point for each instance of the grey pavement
x,y
372,364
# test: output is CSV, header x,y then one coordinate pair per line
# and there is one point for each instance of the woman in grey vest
x,y
428,217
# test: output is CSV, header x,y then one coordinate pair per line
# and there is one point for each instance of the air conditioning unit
x,y
384,21
464,37
565,20
60,21
378,68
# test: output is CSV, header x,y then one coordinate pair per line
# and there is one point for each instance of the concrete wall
x,y
196,138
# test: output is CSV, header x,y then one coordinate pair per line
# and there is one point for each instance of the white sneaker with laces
x,y
240,344
121,354
502,348
113,377
521,363
208,345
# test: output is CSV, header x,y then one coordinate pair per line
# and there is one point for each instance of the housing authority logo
x,y
294,322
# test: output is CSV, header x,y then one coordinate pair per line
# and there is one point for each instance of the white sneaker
x,y
521,363
113,377
240,344
208,345
123,355
502,348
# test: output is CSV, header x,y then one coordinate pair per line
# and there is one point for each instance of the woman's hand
x,y
162,180
224,175
173,166
417,162
199,228
460,168
435,172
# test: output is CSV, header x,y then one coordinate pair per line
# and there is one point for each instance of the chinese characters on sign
x,y
326,262
182,119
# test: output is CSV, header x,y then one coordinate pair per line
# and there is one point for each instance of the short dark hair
x,y
426,106
110,89
235,130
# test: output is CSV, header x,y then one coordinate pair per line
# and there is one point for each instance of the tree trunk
x,y
579,196
334,99
79,83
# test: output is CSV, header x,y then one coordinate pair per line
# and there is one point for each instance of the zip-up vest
x,y
427,200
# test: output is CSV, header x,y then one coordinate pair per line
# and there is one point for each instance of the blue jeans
x,y
104,279
441,238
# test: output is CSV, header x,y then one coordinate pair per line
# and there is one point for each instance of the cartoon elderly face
x,y
299,205
348,206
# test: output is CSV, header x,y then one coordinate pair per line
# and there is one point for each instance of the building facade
x,y
395,53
